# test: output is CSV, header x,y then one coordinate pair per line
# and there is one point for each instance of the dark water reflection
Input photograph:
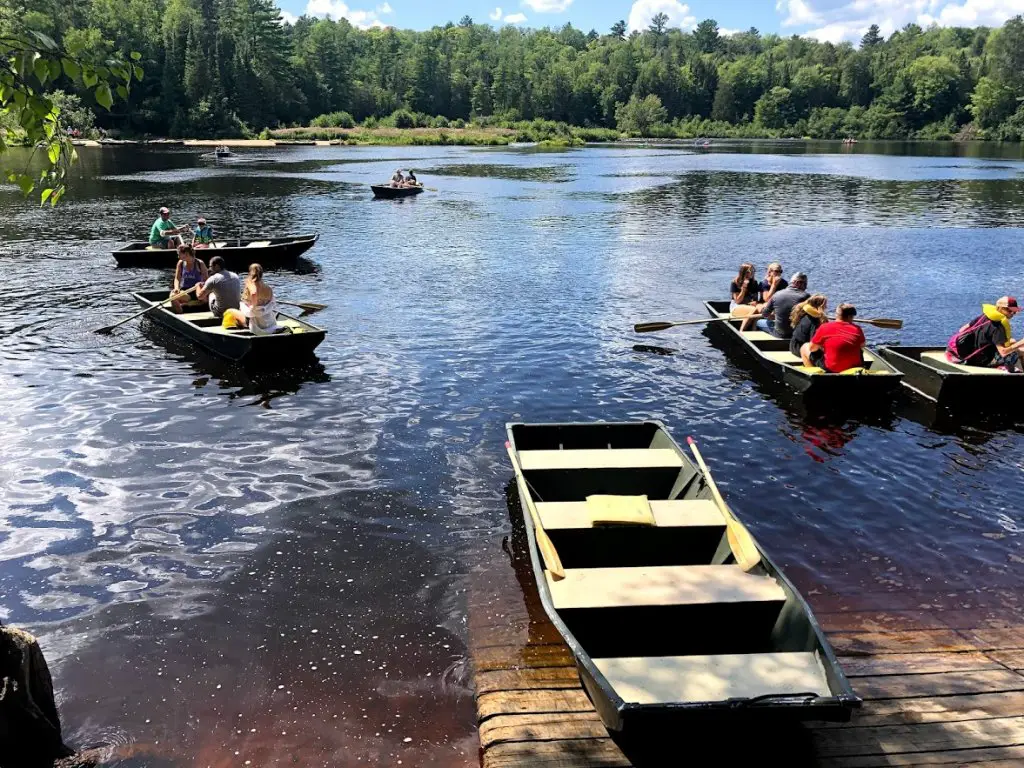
x,y
172,523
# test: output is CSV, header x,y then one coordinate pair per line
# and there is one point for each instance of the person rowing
x,y
778,310
164,232
987,341
188,273
222,288
398,179
837,346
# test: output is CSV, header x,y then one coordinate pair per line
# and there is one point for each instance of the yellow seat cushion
x,y
620,510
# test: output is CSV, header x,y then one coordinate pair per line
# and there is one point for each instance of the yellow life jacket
x,y
992,313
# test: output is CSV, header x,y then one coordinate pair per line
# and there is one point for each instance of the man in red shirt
x,y
836,346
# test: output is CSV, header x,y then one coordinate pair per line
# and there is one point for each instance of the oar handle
x,y
109,328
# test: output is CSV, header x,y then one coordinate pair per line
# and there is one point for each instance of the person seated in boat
x,y
987,341
773,283
410,180
203,234
398,179
222,289
164,232
188,273
779,308
258,311
744,292
805,320
836,346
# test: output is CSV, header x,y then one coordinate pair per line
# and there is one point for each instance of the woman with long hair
x,y
805,319
188,273
258,310
744,292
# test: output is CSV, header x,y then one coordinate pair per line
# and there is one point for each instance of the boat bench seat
x,y
193,316
783,356
937,359
568,515
664,585
759,336
658,679
601,458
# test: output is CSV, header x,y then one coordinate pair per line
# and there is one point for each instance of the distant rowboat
x,y
387,192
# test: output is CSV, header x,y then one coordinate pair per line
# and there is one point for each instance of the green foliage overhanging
x,y
232,67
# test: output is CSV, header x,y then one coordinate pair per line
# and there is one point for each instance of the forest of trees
x,y
232,67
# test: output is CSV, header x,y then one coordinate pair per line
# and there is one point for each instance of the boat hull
x,y
951,386
601,637
385,192
280,252
237,346
840,390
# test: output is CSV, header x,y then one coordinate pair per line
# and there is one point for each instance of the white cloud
x,y
837,20
495,15
726,32
643,11
515,18
338,9
547,6
288,18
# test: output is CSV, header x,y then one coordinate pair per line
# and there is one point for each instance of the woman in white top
x,y
258,310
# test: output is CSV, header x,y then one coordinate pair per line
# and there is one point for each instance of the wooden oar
x,y
878,322
110,328
664,325
309,307
740,540
547,549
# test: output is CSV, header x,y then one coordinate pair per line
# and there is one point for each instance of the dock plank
x,y
918,663
937,684
986,757
934,709
915,641
504,729
535,656
527,679
569,753
923,737
531,702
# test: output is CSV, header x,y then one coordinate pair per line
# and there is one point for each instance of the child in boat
x,y
188,273
805,319
203,235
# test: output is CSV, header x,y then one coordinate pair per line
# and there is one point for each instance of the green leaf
x,y
122,92
45,195
55,69
103,96
41,68
138,73
71,69
46,40
25,183
57,195
53,153
136,56
89,78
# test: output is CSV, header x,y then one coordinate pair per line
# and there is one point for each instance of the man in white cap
x,y
163,231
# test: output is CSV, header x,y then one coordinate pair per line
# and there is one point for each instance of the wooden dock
x,y
942,686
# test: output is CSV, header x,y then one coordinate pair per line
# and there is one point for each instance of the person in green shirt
x,y
163,231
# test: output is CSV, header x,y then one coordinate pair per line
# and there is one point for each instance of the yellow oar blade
x,y
740,541
547,548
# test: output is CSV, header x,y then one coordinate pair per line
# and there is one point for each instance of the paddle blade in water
x,y
652,327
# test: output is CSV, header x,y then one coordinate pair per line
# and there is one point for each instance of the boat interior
x,y
777,350
198,314
936,358
652,593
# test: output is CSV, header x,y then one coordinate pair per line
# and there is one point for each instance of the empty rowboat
x,y
237,254
661,620
876,381
387,192
927,372
203,328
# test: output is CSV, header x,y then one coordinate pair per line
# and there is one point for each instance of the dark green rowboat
x,y
663,624
878,383
927,372
237,254
202,328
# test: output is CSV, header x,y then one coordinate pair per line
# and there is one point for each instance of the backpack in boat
x,y
952,353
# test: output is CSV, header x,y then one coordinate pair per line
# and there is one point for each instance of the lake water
x,y
228,567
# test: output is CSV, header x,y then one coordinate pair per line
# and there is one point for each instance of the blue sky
x,y
834,20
